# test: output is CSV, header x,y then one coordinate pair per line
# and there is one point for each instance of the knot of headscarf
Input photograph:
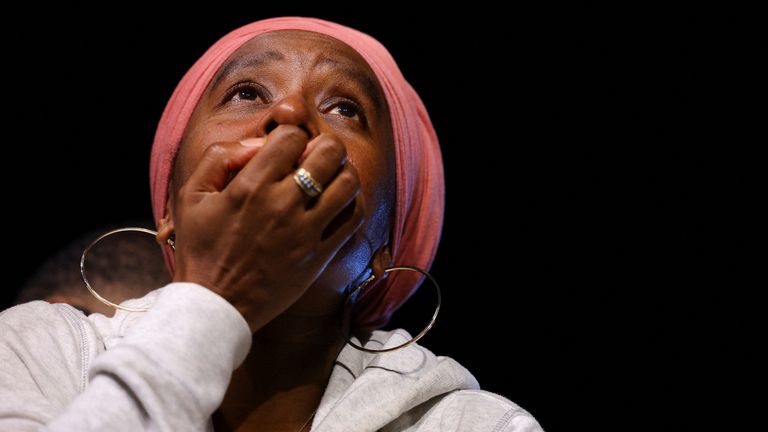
x,y
419,169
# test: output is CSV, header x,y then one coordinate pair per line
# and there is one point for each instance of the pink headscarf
x,y
419,168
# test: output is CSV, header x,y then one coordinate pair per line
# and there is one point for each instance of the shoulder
x,y
40,324
470,410
435,393
46,347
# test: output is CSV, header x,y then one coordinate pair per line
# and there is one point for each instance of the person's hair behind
x,y
120,267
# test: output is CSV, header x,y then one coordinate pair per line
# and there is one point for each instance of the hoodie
x,y
168,370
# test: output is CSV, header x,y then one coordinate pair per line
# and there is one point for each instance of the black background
x,y
590,191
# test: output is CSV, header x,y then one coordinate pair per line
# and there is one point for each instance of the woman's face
x,y
318,83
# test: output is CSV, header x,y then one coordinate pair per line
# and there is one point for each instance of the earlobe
x,y
382,260
56,299
165,227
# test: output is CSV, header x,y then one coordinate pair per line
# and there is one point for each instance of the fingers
x,y
337,195
324,161
338,210
343,227
335,210
276,160
218,161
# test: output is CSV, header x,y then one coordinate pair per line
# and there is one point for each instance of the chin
x,y
349,264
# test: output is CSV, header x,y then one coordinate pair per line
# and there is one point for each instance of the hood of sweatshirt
x,y
374,390
407,389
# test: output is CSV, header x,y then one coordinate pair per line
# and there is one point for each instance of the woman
x,y
292,163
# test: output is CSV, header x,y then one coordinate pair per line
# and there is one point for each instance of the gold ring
x,y
309,185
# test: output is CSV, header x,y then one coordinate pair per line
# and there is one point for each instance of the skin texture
x,y
245,230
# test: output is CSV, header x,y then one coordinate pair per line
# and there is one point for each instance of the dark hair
x,y
122,266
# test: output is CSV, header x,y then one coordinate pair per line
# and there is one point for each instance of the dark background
x,y
594,206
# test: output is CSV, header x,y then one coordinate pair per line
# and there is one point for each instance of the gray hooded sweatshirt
x,y
168,369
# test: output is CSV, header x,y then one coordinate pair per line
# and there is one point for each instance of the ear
x,y
382,260
165,227
57,299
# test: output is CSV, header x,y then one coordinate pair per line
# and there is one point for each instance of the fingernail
x,y
253,142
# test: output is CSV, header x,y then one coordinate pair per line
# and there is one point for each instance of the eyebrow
x,y
247,61
352,72
366,82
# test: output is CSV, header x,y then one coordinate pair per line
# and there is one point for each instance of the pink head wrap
x,y
419,169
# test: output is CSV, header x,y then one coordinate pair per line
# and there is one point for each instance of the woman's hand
x,y
260,241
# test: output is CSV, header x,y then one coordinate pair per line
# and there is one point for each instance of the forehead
x,y
299,42
307,48
307,51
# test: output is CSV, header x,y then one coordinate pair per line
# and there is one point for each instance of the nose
x,y
291,110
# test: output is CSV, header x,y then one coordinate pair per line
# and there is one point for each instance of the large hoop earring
x,y
356,292
100,238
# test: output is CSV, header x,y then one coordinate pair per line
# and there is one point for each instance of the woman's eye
x,y
246,92
346,110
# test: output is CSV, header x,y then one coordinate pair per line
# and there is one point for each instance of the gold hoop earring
x,y
356,292
100,238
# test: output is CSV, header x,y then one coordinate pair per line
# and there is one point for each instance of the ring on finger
x,y
307,183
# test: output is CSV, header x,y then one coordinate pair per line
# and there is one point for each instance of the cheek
x,y
187,158
376,172
200,135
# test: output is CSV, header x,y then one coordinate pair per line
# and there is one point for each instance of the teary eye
x,y
347,109
246,94
247,91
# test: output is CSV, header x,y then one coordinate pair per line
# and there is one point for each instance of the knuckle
x,y
352,171
216,151
333,149
348,181
243,190
290,132
282,209
358,216
236,194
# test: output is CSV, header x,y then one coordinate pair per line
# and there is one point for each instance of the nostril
x,y
306,130
272,125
